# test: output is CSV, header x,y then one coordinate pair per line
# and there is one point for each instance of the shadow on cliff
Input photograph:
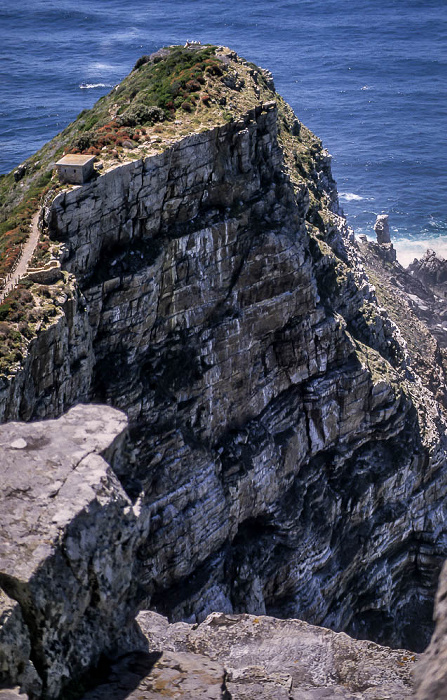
x,y
118,680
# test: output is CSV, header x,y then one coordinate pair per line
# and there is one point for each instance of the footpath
x,y
25,257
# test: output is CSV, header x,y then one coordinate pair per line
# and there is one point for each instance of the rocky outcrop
x,y
243,657
383,249
67,544
431,670
416,303
284,457
382,229
431,269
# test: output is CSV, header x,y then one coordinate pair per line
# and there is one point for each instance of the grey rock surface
x,y
431,669
68,536
382,229
142,676
247,658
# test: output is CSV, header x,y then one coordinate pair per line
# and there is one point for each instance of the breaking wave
x,y
407,249
89,86
349,197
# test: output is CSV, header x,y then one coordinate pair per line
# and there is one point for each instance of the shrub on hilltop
x,y
177,73
158,86
140,114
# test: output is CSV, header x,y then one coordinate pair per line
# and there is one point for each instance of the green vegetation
x,y
151,94
11,346
15,230
28,308
42,253
169,81
141,114
18,305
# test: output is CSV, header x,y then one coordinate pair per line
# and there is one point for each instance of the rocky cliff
x,y
414,298
284,456
431,672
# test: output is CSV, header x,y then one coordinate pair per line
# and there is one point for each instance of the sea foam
x,y
407,248
349,197
89,86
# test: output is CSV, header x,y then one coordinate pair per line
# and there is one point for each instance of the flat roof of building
x,y
75,159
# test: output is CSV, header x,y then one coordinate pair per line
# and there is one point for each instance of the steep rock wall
x,y
57,369
284,456
431,671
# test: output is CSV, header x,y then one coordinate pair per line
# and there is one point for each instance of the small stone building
x,y
75,169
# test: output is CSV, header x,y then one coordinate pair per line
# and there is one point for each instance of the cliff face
x,y
431,671
283,456
414,299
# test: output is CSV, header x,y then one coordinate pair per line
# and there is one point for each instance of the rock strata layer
x,y
285,457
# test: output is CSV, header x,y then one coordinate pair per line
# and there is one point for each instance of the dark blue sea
x,y
368,77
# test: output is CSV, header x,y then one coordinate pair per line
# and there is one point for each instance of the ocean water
x,y
369,78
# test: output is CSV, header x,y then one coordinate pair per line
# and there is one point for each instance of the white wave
x,y
408,249
89,86
366,87
349,196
